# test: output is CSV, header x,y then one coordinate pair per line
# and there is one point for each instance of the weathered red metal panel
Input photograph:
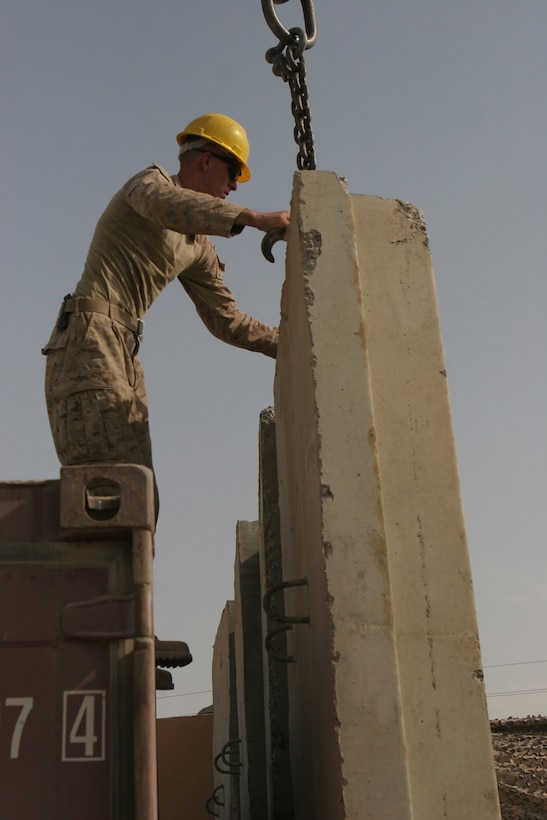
x,y
77,699
54,699
29,511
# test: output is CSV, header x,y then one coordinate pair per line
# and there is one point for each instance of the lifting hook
x,y
272,236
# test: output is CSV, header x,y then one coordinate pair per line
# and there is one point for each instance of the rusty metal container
x,y
77,681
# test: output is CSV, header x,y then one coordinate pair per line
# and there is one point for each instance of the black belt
x,y
82,304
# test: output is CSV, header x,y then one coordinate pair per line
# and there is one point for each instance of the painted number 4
x,y
84,725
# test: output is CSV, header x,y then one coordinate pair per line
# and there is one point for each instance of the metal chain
x,y
287,60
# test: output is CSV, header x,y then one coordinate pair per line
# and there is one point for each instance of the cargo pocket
x,y
92,426
83,357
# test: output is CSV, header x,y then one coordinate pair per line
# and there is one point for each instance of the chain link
x,y
287,61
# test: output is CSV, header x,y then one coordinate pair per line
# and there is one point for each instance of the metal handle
x,y
272,236
214,799
284,619
226,751
269,649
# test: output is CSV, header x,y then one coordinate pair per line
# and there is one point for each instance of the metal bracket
x,y
104,499
286,620
105,618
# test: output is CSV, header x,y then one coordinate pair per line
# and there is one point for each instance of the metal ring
x,y
279,29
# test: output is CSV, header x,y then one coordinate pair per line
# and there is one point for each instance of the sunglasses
x,y
234,169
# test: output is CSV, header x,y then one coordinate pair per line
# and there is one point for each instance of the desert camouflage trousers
x,y
95,394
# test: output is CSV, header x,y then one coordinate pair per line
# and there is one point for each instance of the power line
x,y
488,694
486,666
516,692
516,663
184,694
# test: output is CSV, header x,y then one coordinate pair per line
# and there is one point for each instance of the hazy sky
x,y
440,104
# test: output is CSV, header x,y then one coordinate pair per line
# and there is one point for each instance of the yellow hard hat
x,y
225,132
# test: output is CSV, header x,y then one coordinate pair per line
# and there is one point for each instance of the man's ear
x,y
205,162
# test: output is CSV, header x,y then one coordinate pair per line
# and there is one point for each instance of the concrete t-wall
x,y
226,752
276,702
249,673
387,707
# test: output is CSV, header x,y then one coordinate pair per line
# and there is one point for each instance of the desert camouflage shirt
x,y
154,231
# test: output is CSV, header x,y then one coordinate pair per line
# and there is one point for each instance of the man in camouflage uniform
x,y
153,231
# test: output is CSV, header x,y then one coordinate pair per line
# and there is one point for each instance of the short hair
x,y
191,143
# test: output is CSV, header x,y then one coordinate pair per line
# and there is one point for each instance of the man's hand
x,y
263,221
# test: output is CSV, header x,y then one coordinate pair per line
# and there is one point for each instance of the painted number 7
x,y
25,704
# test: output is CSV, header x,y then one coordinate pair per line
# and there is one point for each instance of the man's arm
x,y
153,194
218,310
263,221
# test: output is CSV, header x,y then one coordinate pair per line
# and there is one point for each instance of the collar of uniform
x,y
162,171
